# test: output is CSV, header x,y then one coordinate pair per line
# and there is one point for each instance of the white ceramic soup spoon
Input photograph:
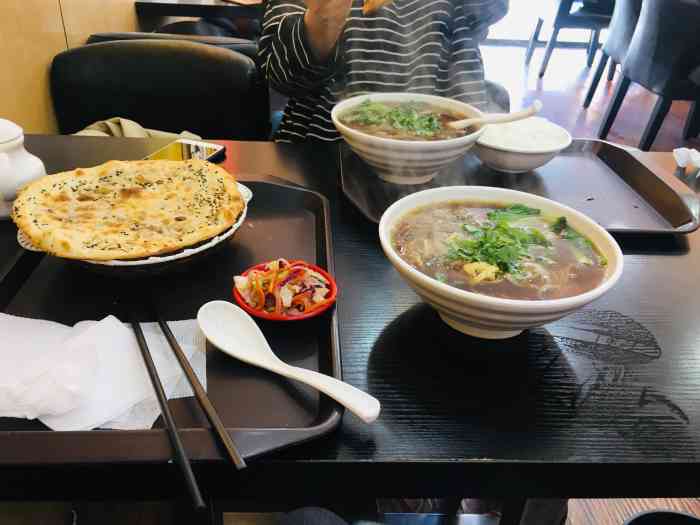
x,y
497,118
235,333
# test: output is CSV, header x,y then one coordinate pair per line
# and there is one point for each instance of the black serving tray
x,y
602,180
262,411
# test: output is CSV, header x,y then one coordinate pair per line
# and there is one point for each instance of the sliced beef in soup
x,y
513,252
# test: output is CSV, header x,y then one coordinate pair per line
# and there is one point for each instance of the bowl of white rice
x,y
521,146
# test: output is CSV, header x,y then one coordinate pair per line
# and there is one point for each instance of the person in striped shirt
x,y
320,51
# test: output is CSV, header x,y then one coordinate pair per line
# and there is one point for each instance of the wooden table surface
x,y
603,403
200,8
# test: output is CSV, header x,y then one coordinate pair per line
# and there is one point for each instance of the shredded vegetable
x,y
284,287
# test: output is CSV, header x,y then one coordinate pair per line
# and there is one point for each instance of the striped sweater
x,y
419,46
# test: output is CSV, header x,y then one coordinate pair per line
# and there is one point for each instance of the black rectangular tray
x,y
597,178
262,411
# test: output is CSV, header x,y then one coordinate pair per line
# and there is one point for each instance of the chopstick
x,y
201,395
180,454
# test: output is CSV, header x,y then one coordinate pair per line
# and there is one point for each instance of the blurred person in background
x,y
318,52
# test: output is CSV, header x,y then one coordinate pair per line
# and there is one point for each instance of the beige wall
x,y
32,32
84,17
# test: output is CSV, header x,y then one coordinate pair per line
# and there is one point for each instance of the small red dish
x,y
333,287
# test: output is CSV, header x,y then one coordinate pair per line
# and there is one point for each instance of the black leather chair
x,y
171,85
622,26
242,28
692,124
593,15
241,45
662,57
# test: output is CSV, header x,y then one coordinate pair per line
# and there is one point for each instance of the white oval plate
x,y
247,195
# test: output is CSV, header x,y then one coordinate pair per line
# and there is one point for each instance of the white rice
x,y
531,134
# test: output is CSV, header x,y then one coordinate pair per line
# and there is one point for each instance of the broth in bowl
x,y
507,251
404,120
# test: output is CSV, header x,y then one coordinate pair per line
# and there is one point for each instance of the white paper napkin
x,y
176,385
42,370
91,375
687,157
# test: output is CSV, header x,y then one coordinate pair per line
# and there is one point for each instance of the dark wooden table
x,y
200,8
604,403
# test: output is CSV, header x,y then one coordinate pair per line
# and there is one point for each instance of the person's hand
x,y
325,20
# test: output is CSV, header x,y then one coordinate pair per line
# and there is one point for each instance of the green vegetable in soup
x,y
512,213
408,119
368,113
580,245
404,117
559,225
500,245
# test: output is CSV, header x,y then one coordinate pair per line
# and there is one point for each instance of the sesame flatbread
x,y
370,6
128,210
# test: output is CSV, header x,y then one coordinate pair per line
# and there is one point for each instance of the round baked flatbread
x,y
127,209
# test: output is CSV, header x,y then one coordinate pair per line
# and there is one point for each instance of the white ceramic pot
x,y
406,161
17,165
482,315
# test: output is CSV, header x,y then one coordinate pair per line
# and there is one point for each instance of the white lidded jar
x,y
17,165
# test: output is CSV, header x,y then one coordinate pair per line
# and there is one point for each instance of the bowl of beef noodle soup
x,y
405,137
494,262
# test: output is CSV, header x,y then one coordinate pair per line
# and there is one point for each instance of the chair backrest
x,y
572,15
664,49
162,84
242,45
241,28
601,6
200,27
622,26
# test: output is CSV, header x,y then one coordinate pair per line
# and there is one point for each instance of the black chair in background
x,y
592,15
248,28
171,85
692,124
662,57
624,21
239,45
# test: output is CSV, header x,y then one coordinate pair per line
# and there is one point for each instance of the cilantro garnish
x,y
500,244
405,117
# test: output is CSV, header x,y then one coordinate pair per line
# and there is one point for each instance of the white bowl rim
x,y
534,306
522,151
411,144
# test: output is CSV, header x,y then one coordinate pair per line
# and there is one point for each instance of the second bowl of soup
x,y
405,137
493,261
